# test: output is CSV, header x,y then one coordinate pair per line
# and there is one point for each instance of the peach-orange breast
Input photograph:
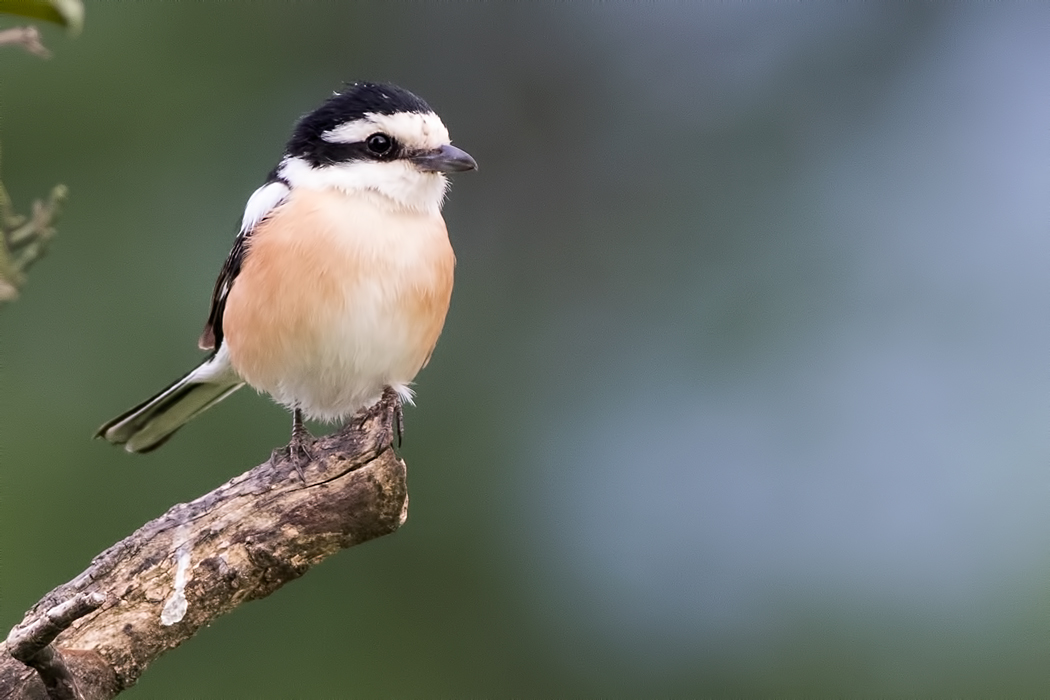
x,y
336,288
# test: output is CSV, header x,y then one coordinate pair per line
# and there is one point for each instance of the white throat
x,y
400,183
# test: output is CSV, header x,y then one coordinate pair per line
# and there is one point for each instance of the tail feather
x,y
149,425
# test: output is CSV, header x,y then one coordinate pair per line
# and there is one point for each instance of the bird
x,y
340,276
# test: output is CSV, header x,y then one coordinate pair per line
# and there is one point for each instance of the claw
x,y
399,419
391,400
299,452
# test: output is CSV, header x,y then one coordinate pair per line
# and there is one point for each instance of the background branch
x,y
24,239
26,37
242,541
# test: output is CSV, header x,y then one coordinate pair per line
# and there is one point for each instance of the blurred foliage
x,y
68,13
24,239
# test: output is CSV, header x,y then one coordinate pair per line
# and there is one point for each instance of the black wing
x,y
260,206
211,337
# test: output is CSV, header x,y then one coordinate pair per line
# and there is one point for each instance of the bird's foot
x,y
387,409
399,419
300,452
391,402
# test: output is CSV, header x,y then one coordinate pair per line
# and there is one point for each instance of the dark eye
x,y
380,144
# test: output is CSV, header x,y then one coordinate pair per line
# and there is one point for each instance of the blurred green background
x,y
745,389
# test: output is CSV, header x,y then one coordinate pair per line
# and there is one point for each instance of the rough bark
x,y
244,540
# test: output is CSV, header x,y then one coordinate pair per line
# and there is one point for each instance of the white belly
x,y
337,298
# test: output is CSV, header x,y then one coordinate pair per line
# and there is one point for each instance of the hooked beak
x,y
447,159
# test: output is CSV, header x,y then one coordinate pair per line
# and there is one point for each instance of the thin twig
x,y
24,240
31,644
26,641
26,37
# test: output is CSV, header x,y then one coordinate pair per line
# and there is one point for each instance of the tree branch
x,y
244,540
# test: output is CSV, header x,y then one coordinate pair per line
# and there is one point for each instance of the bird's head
x,y
378,138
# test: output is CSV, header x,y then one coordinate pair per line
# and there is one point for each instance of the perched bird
x,y
339,279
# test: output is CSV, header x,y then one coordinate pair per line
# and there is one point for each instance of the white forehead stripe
x,y
415,130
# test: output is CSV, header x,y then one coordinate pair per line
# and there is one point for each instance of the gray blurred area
x,y
745,389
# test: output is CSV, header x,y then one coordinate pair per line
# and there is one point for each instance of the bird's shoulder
x,y
261,205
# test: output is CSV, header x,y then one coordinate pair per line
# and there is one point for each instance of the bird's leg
x,y
390,402
399,418
299,446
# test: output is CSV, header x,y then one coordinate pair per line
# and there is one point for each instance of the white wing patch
x,y
261,203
